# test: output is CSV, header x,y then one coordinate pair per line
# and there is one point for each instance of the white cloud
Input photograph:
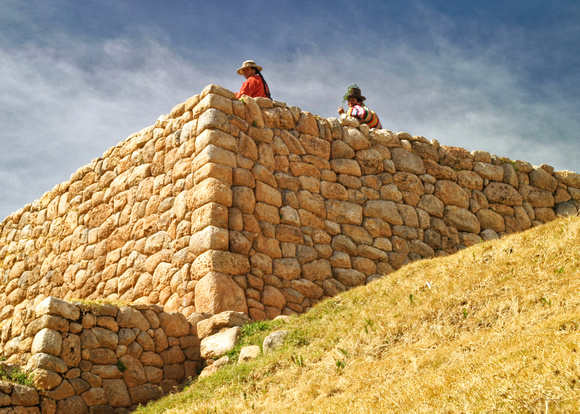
x,y
66,102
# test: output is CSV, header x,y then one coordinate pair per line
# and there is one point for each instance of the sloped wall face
x,y
254,206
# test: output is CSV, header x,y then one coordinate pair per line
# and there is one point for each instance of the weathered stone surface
x,y
46,379
488,171
344,212
461,219
129,317
274,340
543,180
248,353
174,324
286,268
571,179
221,262
407,161
46,361
144,393
503,194
218,344
59,307
214,324
489,219
47,341
117,393
536,196
217,292
451,194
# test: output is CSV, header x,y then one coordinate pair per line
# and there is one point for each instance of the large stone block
x,y
217,292
59,307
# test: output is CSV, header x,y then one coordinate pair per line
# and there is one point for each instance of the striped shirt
x,y
365,115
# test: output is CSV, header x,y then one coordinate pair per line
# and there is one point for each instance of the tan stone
x,y
211,190
59,307
307,124
129,317
286,268
407,161
307,288
543,180
462,219
71,350
144,393
571,179
451,194
370,161
317,270
273,297
248,353
217,292
349,277
174,324
488,171
217,345
470,179
219,261
315,146
346,166
211,214
267,194
503,194
278,117
438,171
149,358
536,196
47,341
210,238
117,393
105,337
355,138
344,212
46,361
46,379
489,219
384,210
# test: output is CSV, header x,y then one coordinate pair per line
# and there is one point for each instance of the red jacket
x,y
253,86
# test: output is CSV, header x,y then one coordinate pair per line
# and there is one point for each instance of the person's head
x,y
352,101
354,96
249,68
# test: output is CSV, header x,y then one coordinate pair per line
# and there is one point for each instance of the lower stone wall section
x,y
99,357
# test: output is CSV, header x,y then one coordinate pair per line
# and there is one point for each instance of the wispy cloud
x,y
66,98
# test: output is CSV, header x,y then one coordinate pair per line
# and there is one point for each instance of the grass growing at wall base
x,y
493,328
17,376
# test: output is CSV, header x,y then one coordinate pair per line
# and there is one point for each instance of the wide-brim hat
x,y
355,93
249,64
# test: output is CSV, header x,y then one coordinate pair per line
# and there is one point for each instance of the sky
x,y
78,77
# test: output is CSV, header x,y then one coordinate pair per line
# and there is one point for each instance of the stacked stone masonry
x,y
254,206
99,358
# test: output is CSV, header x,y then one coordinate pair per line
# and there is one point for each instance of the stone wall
x,y
99,358
254,206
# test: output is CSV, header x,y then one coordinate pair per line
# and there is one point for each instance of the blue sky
x,y
77,77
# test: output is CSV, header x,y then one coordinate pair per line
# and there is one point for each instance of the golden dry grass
x,y
492,329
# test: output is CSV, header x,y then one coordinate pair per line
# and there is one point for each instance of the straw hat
x,y
249,64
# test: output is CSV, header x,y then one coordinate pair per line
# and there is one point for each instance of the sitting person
x,y
358,110
255,85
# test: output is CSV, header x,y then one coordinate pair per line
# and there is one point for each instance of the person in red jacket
x,y
255,85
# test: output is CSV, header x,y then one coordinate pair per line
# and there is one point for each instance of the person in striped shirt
x,y
357,109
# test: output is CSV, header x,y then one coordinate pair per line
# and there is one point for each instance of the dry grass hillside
x,y
494,328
